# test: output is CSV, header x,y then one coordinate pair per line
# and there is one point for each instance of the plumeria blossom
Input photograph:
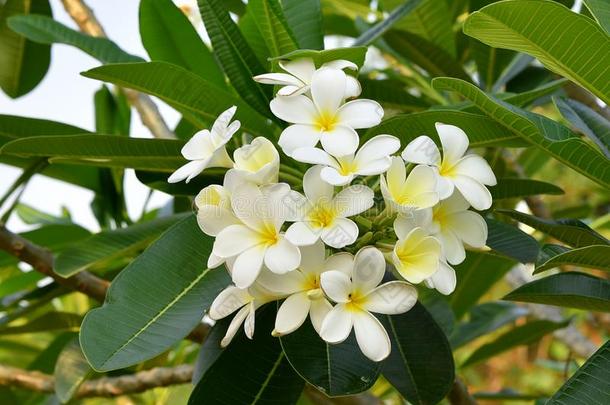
x,y
404,193
360,295
207,148
247,301
303,289
416,255
257,162
371,159
299,74
257,239
320,214
325,117
469,173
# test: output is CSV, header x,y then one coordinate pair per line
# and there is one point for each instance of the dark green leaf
x,y
438,306
382,26
305,20
516,188
569,289
52,321
155,301
112,113
158,181
392,94
587,121
601,11
71,369
269,18
591,257
210,349
355,54
511,241
491,62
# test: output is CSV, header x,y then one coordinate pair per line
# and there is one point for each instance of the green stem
x,y
25,176
290,178
289,169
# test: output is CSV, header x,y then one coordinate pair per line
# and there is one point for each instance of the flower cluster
x,y
279,243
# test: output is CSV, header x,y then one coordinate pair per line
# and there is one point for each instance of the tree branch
x,y
459,394
149,113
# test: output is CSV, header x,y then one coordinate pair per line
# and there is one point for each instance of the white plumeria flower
x,y
325,117
468,173
303,288
404,193
357,297
300,73
416,256
247,300
257,239
371,159
321,214
207,148
257,162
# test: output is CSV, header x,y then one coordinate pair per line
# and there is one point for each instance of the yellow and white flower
x,y
416,255
371,159
299,75
321,214
404,193
257,162
325,118
207,148
360,295
469,173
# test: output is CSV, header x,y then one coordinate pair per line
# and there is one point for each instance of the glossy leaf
x,y
270,379
155,301
339,369
269,18
530,26
511,241
420,365
587,121
106,246
591,257
544,133
24,63
354,54
377,30
71,370
601,11
590,385
304,18
570,231
569,289
521,335
210,349
517,188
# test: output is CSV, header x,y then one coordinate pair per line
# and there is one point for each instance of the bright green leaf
x,y
269,18
304,18
355,54
601,11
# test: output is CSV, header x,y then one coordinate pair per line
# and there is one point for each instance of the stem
x,y
292,179
25,176
289,169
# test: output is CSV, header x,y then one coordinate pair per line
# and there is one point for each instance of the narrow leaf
x,y
271,23
591,257
517,188
71,370
304,18
381,27
354,54
511,241
601,11
587,121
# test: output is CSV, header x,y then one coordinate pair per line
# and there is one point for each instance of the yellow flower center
x,y
325,121
447,169
322,215
347,166
268,234
356,300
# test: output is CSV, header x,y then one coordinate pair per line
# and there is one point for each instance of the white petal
x,y
313,258
374,167
342,261
416,257
328,90
238,319
247,202
444,187
371,336
213,219
476,167
422,150
332,176
360,113
444,279
302,234
337,325
248,266
474,192
421,186
222,127
280,79
452,247
454,141
295,206
220,158
228,301
341,141
470,227
292,313
341,233
249,322
369,268
296,109
395,177
302,68
298,136
352,87
376,148
455,203
392,298
199,147
281,284
188,171
215,261
287,91
233,240
318,311
282,257
353,200
314,156
316,189
406,222
341,64
336,285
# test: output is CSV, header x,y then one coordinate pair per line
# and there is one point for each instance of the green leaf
x,y
590,385
530,26
339,369
517,188
197,99
99,249
168,35
520,336
475,276
158,181
45,30
591,257
210,349
71,369
255,39
354,54
392,94
33,216
49,322
601,11
269,18
491,62
552,137
304,18
486,318
587,121
102,150
270,379
482,131
368,37
569,289
155,301
24,63
112,112
571,231
420,365
511,241
234,55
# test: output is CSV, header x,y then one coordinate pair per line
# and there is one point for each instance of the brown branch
x,y
149,113
102,387
459,394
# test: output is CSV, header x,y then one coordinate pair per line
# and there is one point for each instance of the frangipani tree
x,y
358,221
